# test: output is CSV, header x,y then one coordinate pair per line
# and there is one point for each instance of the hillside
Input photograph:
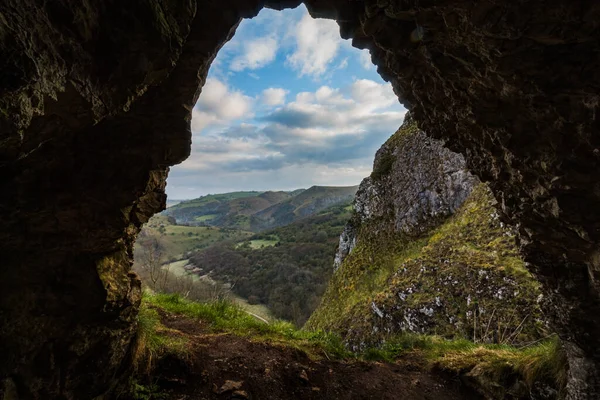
x,y
258,211
223,209
425,252
286,268
178,241
281,271
214,350
303,204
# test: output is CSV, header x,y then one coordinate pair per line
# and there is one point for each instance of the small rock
x,y
303,376
229,386
316,389
240,394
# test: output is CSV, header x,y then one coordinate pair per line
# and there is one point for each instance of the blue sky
x,y
287,104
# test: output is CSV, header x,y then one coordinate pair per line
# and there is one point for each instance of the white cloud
x,y
373,95
330,126
274,96
256,54
326,136
343,64
364,57
317,42
218,104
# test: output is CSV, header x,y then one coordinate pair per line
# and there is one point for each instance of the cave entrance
x,y
97,102
285,128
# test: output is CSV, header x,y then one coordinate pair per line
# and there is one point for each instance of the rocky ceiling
x,y
95,101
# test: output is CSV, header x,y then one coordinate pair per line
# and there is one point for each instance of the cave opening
x,y
285,128
96,103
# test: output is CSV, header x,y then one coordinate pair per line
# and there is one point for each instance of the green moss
x,y
153,341
463,279
384,161
362,277
231,318
112,271
543,361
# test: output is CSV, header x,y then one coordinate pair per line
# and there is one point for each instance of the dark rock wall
x,y
95,101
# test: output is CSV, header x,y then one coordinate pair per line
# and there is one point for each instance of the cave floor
x,y
226,366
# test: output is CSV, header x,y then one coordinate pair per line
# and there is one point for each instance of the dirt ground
x,y
225,366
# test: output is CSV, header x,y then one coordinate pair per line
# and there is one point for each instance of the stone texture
x,y
427,252
416,183
95,101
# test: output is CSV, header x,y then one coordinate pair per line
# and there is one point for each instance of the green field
x,y
177,240
256,244
207,217
259,244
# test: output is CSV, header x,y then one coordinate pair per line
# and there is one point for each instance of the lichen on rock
x,y
425,252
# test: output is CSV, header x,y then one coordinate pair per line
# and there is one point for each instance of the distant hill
x,y
285,268
258,211
171,203
226,209
304,204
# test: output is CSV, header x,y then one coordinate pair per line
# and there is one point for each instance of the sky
x,y
287,104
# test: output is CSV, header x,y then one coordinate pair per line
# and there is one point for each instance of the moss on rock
x,y
425,252
462,279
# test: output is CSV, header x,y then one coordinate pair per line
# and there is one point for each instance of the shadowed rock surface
x,y
95,101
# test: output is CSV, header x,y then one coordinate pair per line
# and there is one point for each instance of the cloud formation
x,y
334,128
365,59
256,54
287,104
219,104
317,43
274,96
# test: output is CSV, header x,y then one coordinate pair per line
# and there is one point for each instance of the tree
x,y
149,258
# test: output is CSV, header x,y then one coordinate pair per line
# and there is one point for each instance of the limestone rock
x,y
425,252
95,105
415,184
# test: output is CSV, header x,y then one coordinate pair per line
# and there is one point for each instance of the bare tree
x,y
149,257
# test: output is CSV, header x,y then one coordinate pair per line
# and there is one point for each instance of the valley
x,y
413,268
278,270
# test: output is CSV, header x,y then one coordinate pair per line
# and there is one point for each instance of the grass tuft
x,y
152,340
223,315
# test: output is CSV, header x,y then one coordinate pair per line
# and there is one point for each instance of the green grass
x,y
365,273
177,240
543,361
206,217
256,244
152,341
468,255
223,197
226,316
260,243
259,309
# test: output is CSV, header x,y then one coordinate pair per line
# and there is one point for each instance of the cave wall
x,y
95,101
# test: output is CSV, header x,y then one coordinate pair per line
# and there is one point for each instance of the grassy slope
x,y
223,197
178,240
455,265
292,208
490,368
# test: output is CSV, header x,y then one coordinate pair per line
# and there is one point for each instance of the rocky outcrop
x,y
416,183
425,252
95,101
